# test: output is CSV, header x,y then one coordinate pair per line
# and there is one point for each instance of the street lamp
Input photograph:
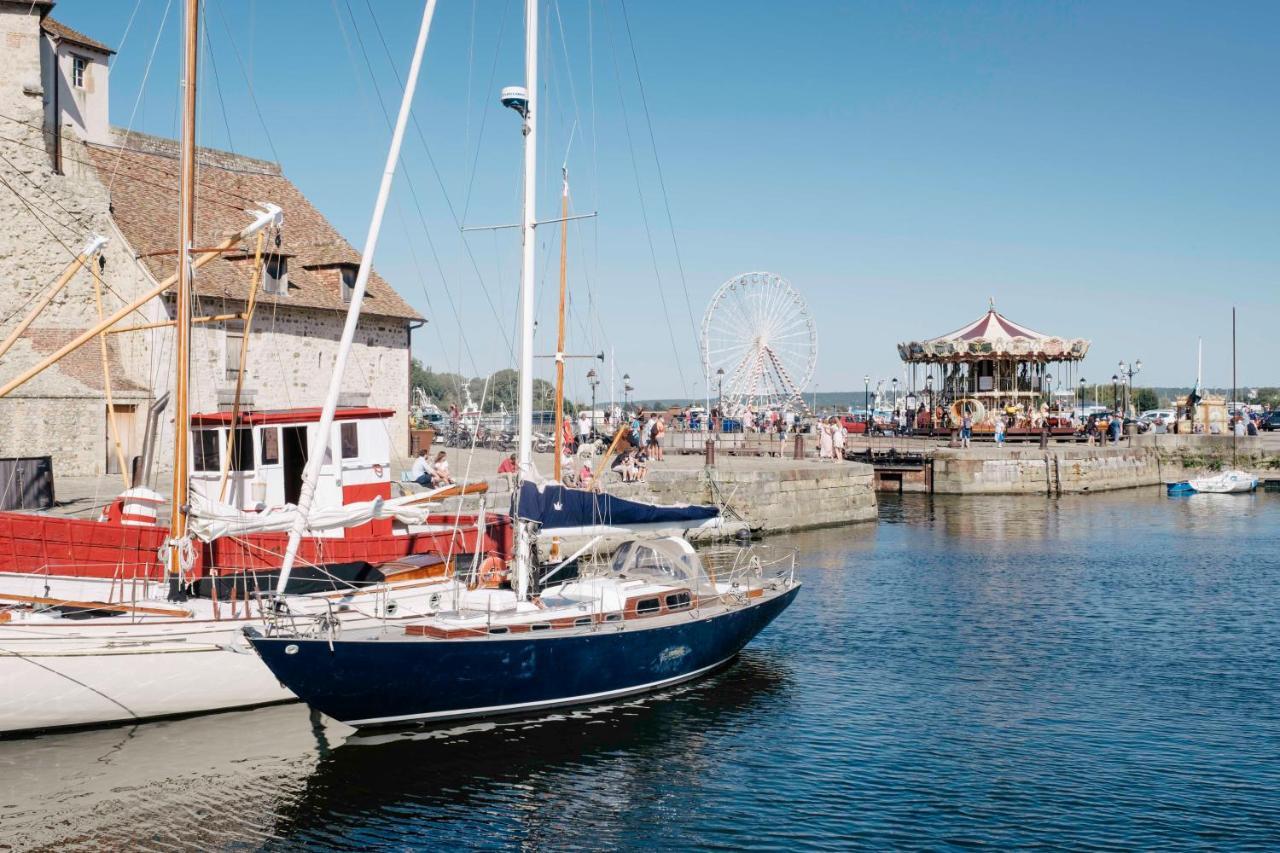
x,y
720,390
1115,391
928,390
626,389
866,400
1129,371
895,393
1082,396
593,380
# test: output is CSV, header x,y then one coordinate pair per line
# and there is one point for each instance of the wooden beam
x,y
213,318
81,260
97,605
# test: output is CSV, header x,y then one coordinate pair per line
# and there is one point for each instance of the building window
x,y
270,445
206,450
235,345
242,452
78,67
350,440
275,276
348,275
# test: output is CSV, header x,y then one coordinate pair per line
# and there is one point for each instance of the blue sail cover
x,y
555,506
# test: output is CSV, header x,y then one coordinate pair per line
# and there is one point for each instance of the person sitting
x,y
586,478
420,473
441,469
508,469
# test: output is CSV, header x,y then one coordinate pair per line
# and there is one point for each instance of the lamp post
x,y
593,380
928,390
895,393
1082,397
626,391
1115,391
720,391
866,400
1129,371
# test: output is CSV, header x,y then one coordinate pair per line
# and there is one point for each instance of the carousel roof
x,y
994,335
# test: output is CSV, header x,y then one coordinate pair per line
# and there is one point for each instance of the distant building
x,y
68,174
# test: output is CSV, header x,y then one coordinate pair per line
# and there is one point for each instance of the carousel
x,y
993,368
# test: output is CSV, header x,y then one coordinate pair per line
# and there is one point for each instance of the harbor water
x,y
1086,672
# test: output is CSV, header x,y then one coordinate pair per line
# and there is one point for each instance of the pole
x,y
564,250
1234,402
523,567
113,428
320,443
182,310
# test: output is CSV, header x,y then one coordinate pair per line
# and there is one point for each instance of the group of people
x,y
434,474
831,439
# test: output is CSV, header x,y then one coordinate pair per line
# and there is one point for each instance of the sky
x,y
1105,170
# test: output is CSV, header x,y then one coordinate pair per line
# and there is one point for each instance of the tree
x,y
1145,399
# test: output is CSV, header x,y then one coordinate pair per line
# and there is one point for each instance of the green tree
x,y
1145,399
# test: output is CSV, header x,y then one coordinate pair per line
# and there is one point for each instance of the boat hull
x,y
387,682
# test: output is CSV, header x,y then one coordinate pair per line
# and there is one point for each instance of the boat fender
x,y
377,470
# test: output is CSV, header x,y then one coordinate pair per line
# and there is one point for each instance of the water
x,y
1088,672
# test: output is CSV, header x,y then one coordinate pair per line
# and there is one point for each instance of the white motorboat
x,y
1228,482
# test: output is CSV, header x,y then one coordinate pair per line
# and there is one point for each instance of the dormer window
x,y
348,284
78,67
275,276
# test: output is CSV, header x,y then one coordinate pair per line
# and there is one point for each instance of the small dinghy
x,y
1225,483
1179,489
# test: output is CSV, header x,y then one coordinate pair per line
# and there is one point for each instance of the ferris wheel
x,y
759,344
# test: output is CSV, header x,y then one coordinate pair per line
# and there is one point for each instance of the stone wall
x,y
1148,461
771,498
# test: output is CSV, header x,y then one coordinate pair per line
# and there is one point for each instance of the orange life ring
x,y
377,470
493,571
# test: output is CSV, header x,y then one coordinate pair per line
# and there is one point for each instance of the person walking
x,y
1000,430
838,436
659,430
966,428
826,441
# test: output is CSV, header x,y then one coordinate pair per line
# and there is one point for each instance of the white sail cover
x,y
211,520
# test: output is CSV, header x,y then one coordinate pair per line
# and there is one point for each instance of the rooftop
x,y
142,172
62,32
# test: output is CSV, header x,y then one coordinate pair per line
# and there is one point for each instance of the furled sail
x,y
557,507
211,520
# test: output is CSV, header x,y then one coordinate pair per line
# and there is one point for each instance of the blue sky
x,y
1105,170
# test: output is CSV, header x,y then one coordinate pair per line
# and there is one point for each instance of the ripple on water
x,y
1085,672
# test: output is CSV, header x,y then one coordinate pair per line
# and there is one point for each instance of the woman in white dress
x,y
825,441
838,434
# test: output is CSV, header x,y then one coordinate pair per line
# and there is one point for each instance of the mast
x,y
182,311
320,443
523,567
564,250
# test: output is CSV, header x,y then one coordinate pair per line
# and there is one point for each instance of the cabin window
x,y
205,451
613,617
540,626
350,440
678,601
79,65
234,347
275,276
647,605
498,630
271,446
582,621
242,451
348,286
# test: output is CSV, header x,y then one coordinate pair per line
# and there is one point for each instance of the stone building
x,y
66,174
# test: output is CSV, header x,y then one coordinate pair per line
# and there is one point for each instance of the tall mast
x,y
527,223
320,443
182,312
564,257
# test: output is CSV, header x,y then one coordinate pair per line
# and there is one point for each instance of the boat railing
x,y
743,573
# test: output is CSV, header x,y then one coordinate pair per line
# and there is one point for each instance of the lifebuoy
x,y
377,470
493,572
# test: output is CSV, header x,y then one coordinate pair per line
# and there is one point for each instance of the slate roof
x,y
62,32
144,202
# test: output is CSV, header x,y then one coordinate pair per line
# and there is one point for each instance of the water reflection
x,y
522,781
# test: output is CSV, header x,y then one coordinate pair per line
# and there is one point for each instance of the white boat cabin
x,y
265,462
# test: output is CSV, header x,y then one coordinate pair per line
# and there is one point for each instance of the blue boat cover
x,y
554,506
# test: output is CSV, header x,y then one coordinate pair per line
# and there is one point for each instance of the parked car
x,y
853,424
1148,417
1270,421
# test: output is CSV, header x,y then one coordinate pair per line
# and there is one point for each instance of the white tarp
x,y
211,520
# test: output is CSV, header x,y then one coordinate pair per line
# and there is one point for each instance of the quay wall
x,y
1148,460
772,497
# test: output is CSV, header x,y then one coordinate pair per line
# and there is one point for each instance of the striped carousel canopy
x,y
994,335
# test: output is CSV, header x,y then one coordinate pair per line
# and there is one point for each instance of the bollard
x,y
798,452
711,452
1044,436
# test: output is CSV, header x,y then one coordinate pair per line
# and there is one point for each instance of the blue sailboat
x,y
652,617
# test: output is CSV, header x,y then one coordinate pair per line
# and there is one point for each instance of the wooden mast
x,y
182,314
564,249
